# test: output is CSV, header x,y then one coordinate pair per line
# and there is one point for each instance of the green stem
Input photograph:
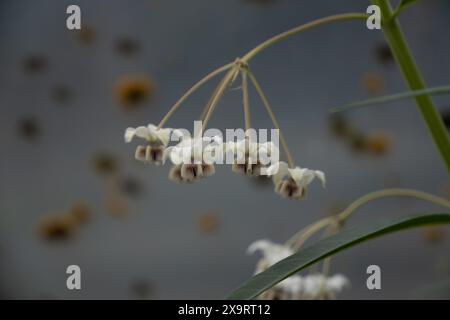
x,y
344,215
411,73
245,101
191,91
299,29
298,240
252,53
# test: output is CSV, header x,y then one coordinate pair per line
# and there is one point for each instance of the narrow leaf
x,y
329,246
392,98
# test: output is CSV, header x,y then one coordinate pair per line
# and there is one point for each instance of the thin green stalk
x,y
209,109
391,193
402,53
220,92
191,91
245,100
272,116
211,98
297,240
287,34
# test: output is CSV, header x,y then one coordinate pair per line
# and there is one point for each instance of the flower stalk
x,y
235,66
292,32
338,220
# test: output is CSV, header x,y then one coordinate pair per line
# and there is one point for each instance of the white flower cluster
x,y
195,158
313,286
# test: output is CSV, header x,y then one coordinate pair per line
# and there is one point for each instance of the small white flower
x,y
318,286
158,139
188,158
248,156
292,183
272,253
314,286
150,133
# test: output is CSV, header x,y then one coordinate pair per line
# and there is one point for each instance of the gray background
x,y
159,241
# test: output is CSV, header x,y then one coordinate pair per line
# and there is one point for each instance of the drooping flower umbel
x,y
250,156
157,140
292,183
313,286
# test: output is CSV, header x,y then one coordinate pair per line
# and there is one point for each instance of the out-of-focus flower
x,y
63,226
271,254
292,183
383,54
104,163
247,156
81,212
339,126
130,186
434,234
208,223
58,227
315,286
29,128
157,139
358,141
372,82
379,143
116,205
127,46
62,93
35,63
85,35
142,289
319,286
133,91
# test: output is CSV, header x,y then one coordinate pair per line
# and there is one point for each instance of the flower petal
x,y
337,282
319,174
278,171
142,132
260,245
129,134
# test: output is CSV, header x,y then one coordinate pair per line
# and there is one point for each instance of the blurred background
x,y
72,193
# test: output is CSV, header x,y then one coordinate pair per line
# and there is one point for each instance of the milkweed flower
x,y
248,156
271,254
314,286
157,139
319,286
193,158
292,183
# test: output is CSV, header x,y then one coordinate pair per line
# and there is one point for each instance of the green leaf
x,y
329,246
393,97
